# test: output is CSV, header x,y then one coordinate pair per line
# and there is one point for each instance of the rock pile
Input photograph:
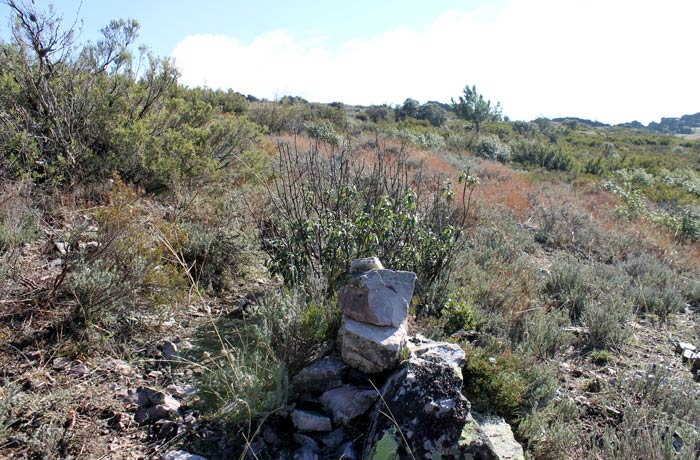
x,y
342,400
689,354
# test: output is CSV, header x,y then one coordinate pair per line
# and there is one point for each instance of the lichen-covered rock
x,y
371,348
431,417
443,352
348,402
425,399
500,436
379,297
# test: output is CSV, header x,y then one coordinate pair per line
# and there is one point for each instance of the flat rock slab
x,y
348,402
365,264
371,348
320,376
310,421
500,436
379,297
442,352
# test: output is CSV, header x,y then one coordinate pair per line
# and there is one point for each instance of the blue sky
x,y
610,60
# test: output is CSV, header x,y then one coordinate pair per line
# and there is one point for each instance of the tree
x,y
433,113
472,106
409,109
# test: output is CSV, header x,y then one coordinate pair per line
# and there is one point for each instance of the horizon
x,y
610,62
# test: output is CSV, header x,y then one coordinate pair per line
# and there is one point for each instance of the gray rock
x,y
424,396
371,348
379,297
334,438
305,453
321,376
169,350
500,436
682,346
348,452
153,404
180,455
348,402
310,421
365,264
62,363
438,352
304,440
687,355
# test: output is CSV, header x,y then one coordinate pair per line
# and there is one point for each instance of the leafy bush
x,y
542,155
492,148
457,313
327,211
323,131
506,384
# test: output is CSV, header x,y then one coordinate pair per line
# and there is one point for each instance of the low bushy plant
x,y
492,148
329,210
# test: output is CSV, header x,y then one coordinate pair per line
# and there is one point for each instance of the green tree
x,y
472,106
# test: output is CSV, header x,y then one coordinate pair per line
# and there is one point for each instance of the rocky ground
x,y
143,402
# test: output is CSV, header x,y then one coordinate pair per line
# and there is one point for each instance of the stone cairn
x,y
341,399
375,302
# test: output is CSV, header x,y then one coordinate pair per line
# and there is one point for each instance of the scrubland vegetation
x,y
561,256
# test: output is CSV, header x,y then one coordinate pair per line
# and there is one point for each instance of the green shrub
x,y
457,313
298,321
543,156
544,335
492,148
606,321
327,211
602,357
506,384
217,256
323,131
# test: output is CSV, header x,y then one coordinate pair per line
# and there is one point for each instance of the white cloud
x,y
612,60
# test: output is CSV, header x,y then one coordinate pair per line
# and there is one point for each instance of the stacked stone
x,y
375,302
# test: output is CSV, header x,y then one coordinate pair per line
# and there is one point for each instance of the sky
x,y
608,60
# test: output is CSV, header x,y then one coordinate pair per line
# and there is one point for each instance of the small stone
x,y
121,367
304,440
348,452
321,376
365,264
334,438
310,421
180,455
682,346
169,350
61,247
78,370
305,453
348,402
687,355
60,364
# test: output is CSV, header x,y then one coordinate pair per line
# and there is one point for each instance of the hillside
x,y
177,264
